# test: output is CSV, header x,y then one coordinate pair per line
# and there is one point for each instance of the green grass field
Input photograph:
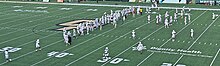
x,y
21,29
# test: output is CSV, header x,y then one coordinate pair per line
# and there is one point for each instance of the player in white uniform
x,y
175,17
160,19
140,47
181,13
148,18
173,35
114,22
7,56
213,16
74,33
191,33
166,24
66,39
133,34
176,10
189,18
87,27
185,21
37,45
157,19
171,20
106,54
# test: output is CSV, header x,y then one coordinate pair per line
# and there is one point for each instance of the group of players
x,y
167,23
112,18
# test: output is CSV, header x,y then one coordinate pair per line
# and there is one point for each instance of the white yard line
x,y
170,38
214,57
195,41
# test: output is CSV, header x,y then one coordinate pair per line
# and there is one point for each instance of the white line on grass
x,y
196,40
214,57
170,38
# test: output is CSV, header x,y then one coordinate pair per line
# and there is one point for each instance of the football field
x,y
21,24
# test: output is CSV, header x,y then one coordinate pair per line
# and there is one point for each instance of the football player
x,y
133,34
173,35
191,33
7,56
185,21
166,24
37,45
148,18
140,47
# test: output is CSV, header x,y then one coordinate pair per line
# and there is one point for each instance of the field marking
x,y
73,46
214,57
196,40
170,38
93,38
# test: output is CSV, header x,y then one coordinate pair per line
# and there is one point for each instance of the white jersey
x,y
66,38
74,32
6,54
176,10
140,46
160,19
157,18
189,17
148,17
173,34
185,21
175,16
68,33
37,43
106,50
166,14
166,22
191,32
171,19
213,15
133,34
